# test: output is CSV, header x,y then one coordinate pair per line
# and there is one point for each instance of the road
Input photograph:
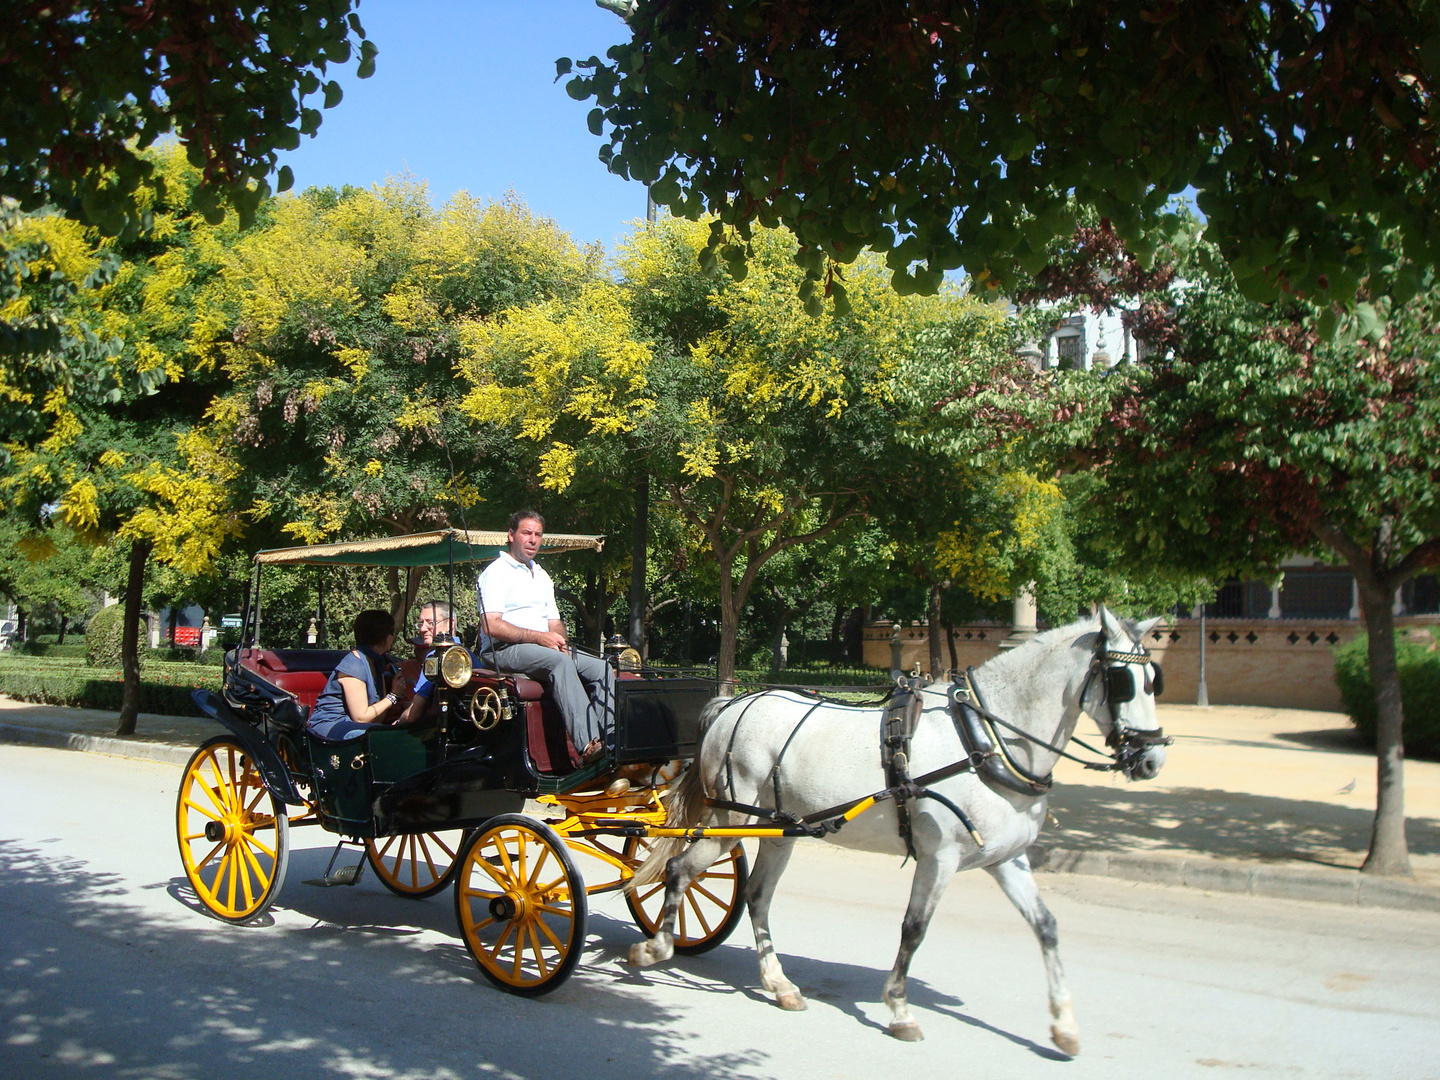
x,y
107,969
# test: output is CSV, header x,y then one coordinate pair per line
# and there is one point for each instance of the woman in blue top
x,y
352,700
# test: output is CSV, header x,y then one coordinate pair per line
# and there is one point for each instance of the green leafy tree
x,y
948,135
86,88
1265,434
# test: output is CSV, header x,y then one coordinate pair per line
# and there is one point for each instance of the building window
x,y
1421,595
1240,600
1316,594
1070,351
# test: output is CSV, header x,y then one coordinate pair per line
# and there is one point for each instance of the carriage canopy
x,y
439,548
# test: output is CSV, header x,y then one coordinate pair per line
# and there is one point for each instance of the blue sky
x,y
464,97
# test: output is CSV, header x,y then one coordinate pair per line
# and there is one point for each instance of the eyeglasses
x,y
432,622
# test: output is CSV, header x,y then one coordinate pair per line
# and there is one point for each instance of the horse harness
x,y
899,718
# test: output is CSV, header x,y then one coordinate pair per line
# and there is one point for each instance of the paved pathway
x,y
1251,800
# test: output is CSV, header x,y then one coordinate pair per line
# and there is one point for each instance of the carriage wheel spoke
x,y
539,952
694,906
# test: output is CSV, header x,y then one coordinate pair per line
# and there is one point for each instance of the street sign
x,y
230,622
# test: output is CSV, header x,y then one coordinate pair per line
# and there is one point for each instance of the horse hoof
x,y
790,1000
907,1032
1068,1042
641,955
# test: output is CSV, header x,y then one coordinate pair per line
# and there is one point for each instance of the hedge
x,y
104,635
1419,663
165,689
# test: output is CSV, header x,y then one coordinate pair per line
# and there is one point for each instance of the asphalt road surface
x,y
109,969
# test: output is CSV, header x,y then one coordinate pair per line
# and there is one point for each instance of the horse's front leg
x,y
1018,882
680,873
770,863
933,871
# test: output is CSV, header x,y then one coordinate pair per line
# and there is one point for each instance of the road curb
x,y
1325,884
51,739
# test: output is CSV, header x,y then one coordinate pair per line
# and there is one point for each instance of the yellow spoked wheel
x,y
416,864
521,905
234,836
709,910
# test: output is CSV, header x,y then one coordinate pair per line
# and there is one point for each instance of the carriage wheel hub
x,y
507,907
214,831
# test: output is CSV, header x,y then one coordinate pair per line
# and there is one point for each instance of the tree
x,y
87,87
762,425
339,325
1265,435
121,457
954,135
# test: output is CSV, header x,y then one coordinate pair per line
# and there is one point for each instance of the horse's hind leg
x,y
933,871
1015,877
680,872
770,863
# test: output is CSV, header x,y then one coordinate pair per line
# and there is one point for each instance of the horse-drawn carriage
x,y
442,801
959,782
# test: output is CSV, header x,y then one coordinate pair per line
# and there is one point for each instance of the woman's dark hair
x,y
372,627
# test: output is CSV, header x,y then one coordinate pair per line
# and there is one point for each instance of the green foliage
x,y
87,87
950,136
1419,664
104,634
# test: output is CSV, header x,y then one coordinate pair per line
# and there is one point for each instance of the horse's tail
x,y
687,804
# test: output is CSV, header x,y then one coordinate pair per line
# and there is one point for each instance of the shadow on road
x,y
111,987
1222,823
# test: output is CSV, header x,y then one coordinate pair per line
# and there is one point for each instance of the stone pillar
x,y
896,663
1023,619
1274,612
1030,352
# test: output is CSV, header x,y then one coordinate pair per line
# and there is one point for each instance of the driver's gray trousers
x,y
582,685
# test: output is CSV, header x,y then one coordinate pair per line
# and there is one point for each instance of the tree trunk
x,y
950,640
729,632
22,625
933,631
64,623
639,537
1389,852
130,639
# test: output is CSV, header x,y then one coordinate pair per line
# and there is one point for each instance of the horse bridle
x,y
1126,743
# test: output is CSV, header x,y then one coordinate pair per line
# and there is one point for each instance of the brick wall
x,y
1284,663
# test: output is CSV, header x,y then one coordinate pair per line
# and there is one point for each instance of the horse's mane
x,y
1014,658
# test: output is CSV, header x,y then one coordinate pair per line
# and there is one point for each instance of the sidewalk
x,y
1273,802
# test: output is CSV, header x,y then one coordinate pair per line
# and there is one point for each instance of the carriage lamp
x,y
456,666
628,660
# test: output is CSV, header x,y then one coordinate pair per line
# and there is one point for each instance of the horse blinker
x,y
1119,685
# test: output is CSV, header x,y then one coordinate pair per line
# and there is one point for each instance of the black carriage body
x,y
448,773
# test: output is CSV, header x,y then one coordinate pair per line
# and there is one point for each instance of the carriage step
x,y
346,875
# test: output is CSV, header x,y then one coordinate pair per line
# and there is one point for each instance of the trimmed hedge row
x,y
104,635
165,688
1419,663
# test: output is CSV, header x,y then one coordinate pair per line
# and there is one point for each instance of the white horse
x,y
1034,695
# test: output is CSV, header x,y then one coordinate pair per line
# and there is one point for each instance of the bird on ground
x,y
1347,788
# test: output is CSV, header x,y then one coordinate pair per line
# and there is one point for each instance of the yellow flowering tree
x,y
112,450
351,310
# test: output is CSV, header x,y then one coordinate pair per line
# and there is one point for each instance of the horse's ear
x,y
1145,627
1110,625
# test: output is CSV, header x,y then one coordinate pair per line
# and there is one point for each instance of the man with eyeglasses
x,y
435,624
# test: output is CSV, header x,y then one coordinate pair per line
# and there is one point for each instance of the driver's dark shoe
x,y
593,752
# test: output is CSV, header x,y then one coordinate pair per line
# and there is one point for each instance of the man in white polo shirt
x,y
521,625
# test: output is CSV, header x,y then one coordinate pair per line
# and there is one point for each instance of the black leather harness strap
x,y
897,727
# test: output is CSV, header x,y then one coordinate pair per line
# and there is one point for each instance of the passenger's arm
x,y
511,634
356,705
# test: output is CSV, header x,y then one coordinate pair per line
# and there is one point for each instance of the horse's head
x,y
1119,693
